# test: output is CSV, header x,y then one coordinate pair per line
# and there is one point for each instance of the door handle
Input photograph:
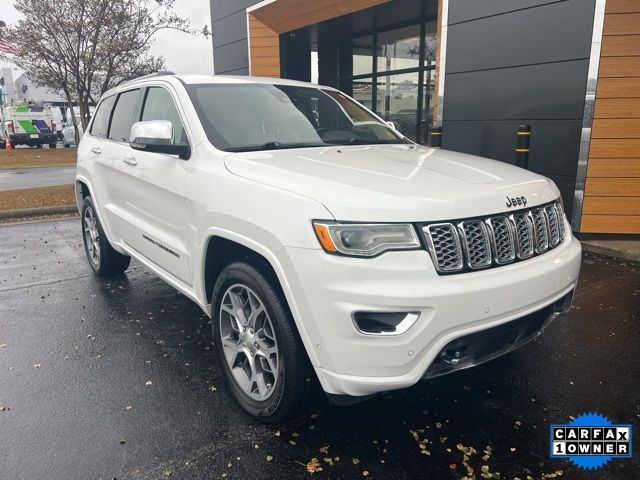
x,y
130,161
96,150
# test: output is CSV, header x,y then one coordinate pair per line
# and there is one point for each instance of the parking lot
x,y
117,379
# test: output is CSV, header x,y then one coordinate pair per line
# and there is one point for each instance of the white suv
x,y
320,241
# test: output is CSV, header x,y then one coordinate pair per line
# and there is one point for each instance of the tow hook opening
x,y
454,355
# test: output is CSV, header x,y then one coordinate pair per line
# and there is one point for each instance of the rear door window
x,y
100,125
124,115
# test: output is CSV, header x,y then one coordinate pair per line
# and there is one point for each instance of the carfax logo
x,y
590,441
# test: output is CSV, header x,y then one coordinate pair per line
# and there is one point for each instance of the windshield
x,y
265,117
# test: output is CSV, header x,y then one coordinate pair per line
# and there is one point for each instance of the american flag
x,y
7,47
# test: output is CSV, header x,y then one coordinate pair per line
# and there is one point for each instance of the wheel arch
x,y
224,247
82,191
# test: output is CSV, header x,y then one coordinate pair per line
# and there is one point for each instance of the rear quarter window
x,y
100,125
124,115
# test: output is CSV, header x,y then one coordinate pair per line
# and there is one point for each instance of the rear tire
x,y
53,145
265,365
104,260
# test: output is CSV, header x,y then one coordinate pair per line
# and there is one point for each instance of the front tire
x,y
264,362
104,260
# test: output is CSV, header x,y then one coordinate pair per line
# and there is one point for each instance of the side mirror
x,y
157,136
395,125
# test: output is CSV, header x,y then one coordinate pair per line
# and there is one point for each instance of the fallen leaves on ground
x,y
314,466
59,195
556,474
40,157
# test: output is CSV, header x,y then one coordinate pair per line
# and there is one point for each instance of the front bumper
x,y
327,290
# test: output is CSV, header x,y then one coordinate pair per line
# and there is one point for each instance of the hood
x,y
394,183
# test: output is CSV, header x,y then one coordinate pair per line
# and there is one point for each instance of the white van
x,y
28,124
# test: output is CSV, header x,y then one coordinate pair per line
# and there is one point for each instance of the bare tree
x,y
85,47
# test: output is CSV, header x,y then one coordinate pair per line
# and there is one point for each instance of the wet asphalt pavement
x,y
113,379
36,177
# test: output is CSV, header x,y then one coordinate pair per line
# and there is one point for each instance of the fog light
x,y
384,323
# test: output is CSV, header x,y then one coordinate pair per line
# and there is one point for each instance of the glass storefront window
x,y
362,53
363,91
398,96
430,49
399,49
400,88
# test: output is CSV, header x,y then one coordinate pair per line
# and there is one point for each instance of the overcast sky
x,y
183,53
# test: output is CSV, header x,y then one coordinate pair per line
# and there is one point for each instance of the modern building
x,y
570,69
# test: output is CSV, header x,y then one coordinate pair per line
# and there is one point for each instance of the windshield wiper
x,y
364,141
273,146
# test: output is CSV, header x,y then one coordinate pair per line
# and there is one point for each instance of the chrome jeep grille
x,y
477,243
503,239
444,242
525,235
541,229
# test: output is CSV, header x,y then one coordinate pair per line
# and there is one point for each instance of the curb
x,y
37,212
622,254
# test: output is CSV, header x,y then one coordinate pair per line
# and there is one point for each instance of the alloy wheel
x,y
249,342
92,236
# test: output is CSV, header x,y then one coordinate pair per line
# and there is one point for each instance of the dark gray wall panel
x,y
240,71
464,10
230,29
547,91
567,186
222,8
554,144
550,33
231,57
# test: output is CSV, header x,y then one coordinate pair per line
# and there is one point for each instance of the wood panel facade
x,y
612,191
264,48
265,24
287,15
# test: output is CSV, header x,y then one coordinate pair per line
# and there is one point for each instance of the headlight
x,y
365,240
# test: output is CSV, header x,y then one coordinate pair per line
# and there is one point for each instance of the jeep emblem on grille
x,y
516,201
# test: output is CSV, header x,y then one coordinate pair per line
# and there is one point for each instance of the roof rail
x,y
156,74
